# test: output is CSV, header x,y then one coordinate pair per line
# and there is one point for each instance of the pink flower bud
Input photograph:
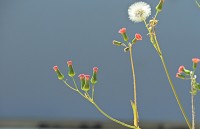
x,y
55,68
87,77
81,76
196,60
181,69
179,75
138,36
95,69
122,30
69,63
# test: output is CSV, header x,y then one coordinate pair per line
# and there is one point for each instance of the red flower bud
x,y
196,60
181,69
55,68
95,69
122,30
81,76
87,77
69,62
138,36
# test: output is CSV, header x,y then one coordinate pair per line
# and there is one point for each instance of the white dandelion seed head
x,y
139,11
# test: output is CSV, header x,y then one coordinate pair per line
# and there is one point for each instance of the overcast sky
x,y
35,35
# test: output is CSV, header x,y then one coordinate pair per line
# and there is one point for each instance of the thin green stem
x,y
134,86
174,91
193,108
193,81
74,83
87,97
109,117
157,47
93,92
156,14
69,86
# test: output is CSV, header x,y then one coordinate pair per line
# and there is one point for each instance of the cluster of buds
x,y
182,71
122,31
84,79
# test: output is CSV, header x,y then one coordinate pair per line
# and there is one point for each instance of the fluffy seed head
x,y
139,11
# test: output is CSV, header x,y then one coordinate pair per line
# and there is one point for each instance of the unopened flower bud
x,y
137,37
86,87
71,72
182,69
126,49
117,43
122,31
94,75
82,79
179,75
159,6
59,74
195,62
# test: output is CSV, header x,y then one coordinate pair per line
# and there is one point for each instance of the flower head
x,y
195,60
87,77
138,36
69,62
81,76
181,69
55,68
95,69
122,30
139,11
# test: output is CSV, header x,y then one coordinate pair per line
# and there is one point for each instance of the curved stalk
x,y
175,94
87,97
157,47
109,117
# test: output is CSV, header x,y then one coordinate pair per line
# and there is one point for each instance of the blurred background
x,y
35,35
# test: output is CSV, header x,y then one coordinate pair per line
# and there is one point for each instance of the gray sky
x,y
35,35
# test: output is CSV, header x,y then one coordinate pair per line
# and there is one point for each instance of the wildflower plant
x,y
138,12
186,74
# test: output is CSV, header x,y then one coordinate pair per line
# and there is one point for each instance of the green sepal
x,y
159,6
194,66
186,71
117,43
94,78
71,72
181,76
82,83
59,74
125,37
86,87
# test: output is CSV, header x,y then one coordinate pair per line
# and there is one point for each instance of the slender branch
x,y
69,86
109,117
93,92
134,87
175,94
98,108
193,110
192,101
74,83
157,47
